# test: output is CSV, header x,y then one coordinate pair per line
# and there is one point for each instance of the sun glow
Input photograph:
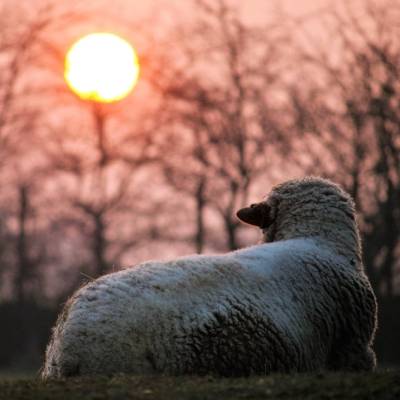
x,y
101,67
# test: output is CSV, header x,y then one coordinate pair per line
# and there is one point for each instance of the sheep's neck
x,y
342,235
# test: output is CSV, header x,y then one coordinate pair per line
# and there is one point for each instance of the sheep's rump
x,y
279,307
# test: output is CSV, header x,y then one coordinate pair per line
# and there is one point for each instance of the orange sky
x,y
253,10
257,10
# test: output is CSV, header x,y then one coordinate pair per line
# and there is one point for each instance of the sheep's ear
x,y
257,214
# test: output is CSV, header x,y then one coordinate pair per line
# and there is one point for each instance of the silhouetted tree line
x,y
227,110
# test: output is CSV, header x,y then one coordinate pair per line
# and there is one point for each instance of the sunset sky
x,y
256,10
227,105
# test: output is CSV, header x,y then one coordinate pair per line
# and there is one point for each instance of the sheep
x,y
300,301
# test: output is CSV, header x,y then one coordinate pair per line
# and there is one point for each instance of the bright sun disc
x,y
101,67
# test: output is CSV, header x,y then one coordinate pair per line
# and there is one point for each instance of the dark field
x,y
380,385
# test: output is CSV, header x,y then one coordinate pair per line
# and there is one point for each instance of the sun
x,y
101,67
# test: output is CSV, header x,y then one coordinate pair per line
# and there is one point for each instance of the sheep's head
x,y
304,207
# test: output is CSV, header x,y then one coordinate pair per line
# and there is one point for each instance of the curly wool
x,y
321,208
301,303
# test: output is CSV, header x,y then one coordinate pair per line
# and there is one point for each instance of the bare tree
x,y
348,108
104,181
221,96
97,165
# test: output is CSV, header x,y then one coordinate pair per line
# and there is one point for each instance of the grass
x,y
17,374
382,385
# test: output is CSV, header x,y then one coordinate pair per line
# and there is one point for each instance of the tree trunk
x,y
231,229
100,131
22,272
200,204
99,245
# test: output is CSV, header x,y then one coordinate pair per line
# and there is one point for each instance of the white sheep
x,y
299,303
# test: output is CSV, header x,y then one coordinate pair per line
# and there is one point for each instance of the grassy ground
x,y
383,385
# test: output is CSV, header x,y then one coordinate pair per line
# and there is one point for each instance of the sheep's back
x,y
257,310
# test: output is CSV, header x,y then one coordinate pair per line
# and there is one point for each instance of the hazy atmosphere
x,y
231,98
